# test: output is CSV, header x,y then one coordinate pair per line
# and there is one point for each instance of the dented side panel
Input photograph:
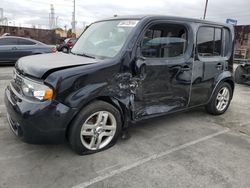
x,y
164,87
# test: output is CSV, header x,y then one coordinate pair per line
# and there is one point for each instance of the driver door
x,y
164,68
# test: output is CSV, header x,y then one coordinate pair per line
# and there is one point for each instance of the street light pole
x,y
74,17
205,11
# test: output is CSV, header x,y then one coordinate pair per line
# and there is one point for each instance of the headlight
x,y
36,90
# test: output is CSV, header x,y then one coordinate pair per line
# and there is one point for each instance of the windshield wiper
x,y
85,55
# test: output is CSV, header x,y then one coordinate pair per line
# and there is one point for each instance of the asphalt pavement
x,y
191,149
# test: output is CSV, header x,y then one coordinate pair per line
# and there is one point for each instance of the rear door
x,y
165,69
8,48
210,62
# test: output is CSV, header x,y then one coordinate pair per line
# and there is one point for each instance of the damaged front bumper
x,y
37,122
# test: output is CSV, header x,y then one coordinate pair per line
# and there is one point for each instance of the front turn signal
x,y
48,94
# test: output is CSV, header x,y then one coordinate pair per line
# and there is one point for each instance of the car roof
x,y
17,37
176,18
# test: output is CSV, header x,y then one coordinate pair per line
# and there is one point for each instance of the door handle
x,y
185,68
219,66
14,48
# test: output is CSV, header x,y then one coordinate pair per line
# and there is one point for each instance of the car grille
x,y
18,80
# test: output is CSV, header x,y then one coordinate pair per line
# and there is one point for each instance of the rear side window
x,y
164,41
8,41
227,41
209,41
25,42
217,42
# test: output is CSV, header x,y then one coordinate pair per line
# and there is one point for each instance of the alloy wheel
x,y
98,130
222,99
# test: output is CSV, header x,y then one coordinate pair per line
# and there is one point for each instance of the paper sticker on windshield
x,y
128,23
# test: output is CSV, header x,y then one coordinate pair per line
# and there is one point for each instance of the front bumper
x,y
37,122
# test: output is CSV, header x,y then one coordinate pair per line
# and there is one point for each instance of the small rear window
x,y
227,41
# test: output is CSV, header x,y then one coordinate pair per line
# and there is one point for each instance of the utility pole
x,y
3,20
52,17
1,13
205,11
73,23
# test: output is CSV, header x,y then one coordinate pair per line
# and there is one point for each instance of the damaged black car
x,y
120,71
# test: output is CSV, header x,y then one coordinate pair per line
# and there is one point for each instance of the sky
x,y
36,12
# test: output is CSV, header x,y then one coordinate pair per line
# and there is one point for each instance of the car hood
x,y
40,65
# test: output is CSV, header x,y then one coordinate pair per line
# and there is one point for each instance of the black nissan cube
x,y
121,70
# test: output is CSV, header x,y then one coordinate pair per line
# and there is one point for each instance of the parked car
x,y
120,71
242,73
67,45
12,48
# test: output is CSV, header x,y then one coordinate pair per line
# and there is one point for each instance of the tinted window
x,y
227,41
25,42
164,41
217,42
209,41
8,41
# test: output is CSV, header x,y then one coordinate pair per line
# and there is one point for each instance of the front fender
x,y
85,97
116,90
81,97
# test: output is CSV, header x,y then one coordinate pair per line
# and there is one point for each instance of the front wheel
x,y
220,100
96,128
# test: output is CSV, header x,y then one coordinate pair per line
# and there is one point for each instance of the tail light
x,y
53,50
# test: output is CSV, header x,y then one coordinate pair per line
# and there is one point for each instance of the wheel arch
x,y
226,79
120,105
230,82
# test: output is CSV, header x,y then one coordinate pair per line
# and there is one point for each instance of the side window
x,y
164,41
8,41
217,42
227,41
209,42
25,42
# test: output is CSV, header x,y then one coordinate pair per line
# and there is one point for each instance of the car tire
x,y
238,75
220,100
65,50
96,128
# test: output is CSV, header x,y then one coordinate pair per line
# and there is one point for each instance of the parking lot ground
x,y
191,149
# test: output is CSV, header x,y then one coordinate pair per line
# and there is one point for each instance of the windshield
x,y
104,39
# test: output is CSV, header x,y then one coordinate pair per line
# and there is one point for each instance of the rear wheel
x,y
238,74
220,100
96,128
